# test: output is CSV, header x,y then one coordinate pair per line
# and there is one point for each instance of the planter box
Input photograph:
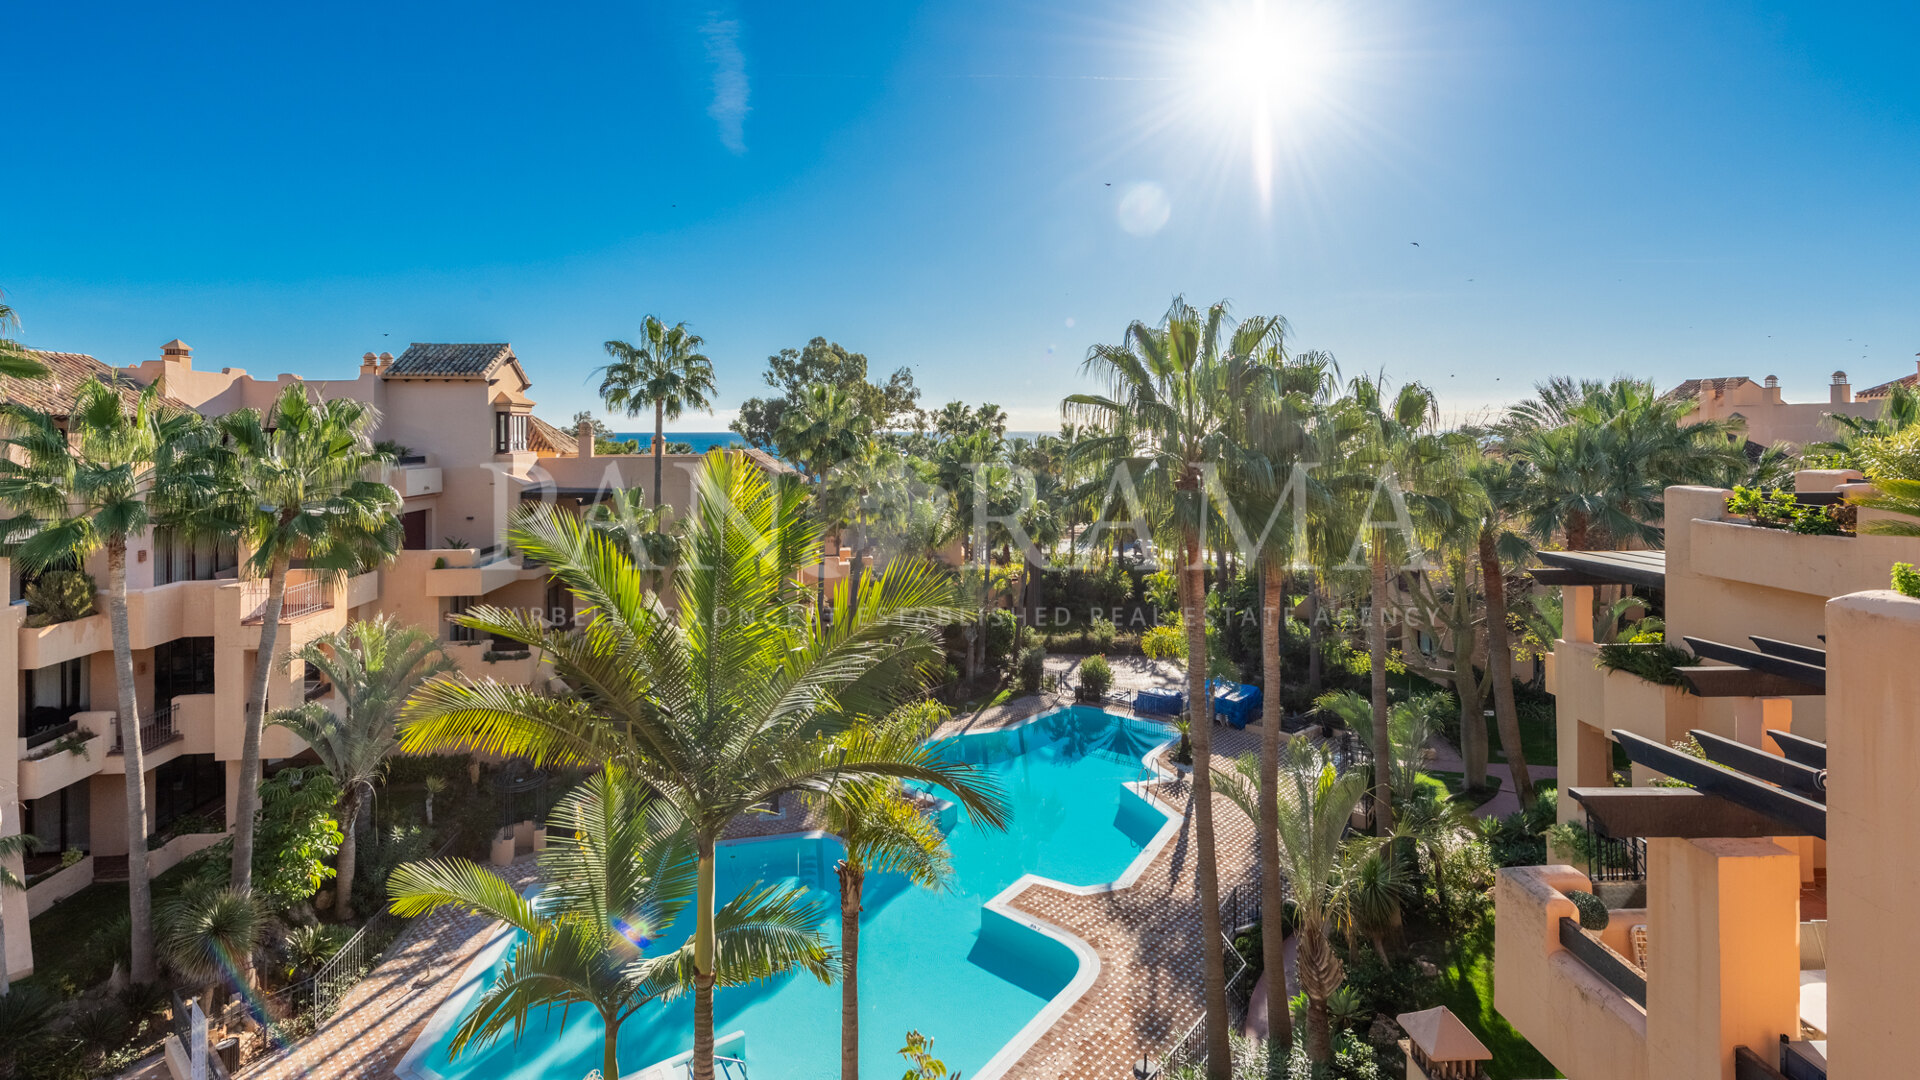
x,y
175,851
45,775
64,883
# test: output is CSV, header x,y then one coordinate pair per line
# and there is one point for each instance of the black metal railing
x,y
156,730
1748,1065
48,734
1604,962
1617,859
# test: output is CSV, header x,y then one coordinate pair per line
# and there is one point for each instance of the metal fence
x,y
156,729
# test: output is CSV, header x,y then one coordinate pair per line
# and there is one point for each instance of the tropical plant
x,y
293,484
882,830
298,836
1032,668
921,1064
1312,804
83,486
1894,496
619,868
1373,893
733,695
1900,413
1172,398
432,785
310,947
373,667
12,848
26,1025
1602,455
667,370
208,932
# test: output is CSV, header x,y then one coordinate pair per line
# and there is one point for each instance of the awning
x,y
1647,569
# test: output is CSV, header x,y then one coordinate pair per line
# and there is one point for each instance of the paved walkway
x,y
1507,799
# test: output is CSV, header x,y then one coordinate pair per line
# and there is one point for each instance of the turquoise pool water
x,y
940,963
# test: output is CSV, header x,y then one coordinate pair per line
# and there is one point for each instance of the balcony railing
x,y
156,730
1604,962
303,597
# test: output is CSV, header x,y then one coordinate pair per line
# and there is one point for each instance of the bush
x,y
1183,750
1654,663
1101,634
59,596
1593,910
1906,580
1164,642
1002,630
1032,668
1096,678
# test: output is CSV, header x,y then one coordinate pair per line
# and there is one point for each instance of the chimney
x,y
386,360
1773,389
583,431
1840,393
369,364
177,350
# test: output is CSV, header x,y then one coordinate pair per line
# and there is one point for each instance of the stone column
x,y
1723,954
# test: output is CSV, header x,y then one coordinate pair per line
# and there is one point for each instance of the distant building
x,y
1769,420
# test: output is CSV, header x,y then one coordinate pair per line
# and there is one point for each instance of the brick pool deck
x,y
1147,937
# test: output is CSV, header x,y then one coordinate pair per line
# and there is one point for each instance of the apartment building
x,y
1759,919
1768,417
472,451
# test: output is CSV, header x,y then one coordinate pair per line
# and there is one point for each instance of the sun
x,y
1272,60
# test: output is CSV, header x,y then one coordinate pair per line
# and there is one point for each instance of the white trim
x,y
411,1066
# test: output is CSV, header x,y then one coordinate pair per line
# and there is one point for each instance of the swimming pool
x,y
983,980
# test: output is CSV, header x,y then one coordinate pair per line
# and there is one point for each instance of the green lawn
x,y
1466,987
1538,740
63,936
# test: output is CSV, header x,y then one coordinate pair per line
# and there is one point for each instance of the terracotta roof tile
x,y
1693,388
65,371
552,439
1885,389
428,359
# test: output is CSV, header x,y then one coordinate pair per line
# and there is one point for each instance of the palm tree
x,y
82,488
208,934
373,666
293,484
733,695
619,869
11,848
1901,411
1395,450
644,534
667,370
1312,804
1502,480
1173,394
15,361
1603,454
883,832
1280,415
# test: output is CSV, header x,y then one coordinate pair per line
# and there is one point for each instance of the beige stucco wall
x,y
1770,419
1588,1029
1873,801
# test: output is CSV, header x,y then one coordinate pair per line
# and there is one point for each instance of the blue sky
x,y
1669,190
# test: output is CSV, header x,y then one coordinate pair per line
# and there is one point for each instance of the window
x,y
52,694
509,432
179,559
458,605
182,666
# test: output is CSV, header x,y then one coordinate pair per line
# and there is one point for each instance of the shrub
x,y
1001,632
1183,750
1164,642
1096,678
1654,663
1101,634
1906,580
59,596
308,947
1032,668
1162,590
1593,910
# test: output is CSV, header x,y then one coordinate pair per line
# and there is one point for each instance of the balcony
x,y
1573,997
474,571
304,596
55,758
156,730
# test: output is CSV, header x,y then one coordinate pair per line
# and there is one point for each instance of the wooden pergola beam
x,y
1757,763
1684,813
1728,680
1800,748
1791,811
1810,674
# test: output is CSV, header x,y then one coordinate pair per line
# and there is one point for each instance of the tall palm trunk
x,y
705,946
1206,872
610,1050
1377,656
247,799
1273,945
852,881
1500,667
139,890
348,854
1320,976
659,452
